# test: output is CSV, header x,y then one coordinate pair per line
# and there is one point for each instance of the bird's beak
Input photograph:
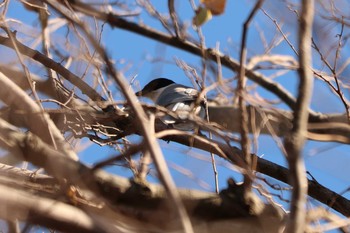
x,y
139,93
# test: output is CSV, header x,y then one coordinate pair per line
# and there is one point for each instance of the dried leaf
x,y
216,7
202,16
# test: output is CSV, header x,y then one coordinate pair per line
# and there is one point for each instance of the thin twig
x,y
337,89
241,92
127,153
47,62
285,37
333,70
173,16
153,12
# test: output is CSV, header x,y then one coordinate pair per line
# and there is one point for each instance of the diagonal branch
x,y
46,212
37,122
141,119
174,19
49,63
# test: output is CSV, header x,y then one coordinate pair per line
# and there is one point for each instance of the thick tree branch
x,y
118,192
294,142
25,206
277,122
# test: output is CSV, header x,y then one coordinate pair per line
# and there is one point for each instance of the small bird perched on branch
x,y
178,98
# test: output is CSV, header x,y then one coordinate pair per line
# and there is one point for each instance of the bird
x,y
181,99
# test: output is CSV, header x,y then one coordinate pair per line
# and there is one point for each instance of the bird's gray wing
x,y
177,93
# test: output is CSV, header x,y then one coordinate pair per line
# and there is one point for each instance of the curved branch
x,y
231,153
49,63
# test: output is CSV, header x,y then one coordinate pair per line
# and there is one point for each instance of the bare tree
x,y
61,89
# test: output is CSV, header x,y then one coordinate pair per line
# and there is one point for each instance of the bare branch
x,y
37,121
47,62
241,92
46,212
173,16
294,142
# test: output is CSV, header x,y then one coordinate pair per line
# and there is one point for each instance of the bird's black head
x,y
155,84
